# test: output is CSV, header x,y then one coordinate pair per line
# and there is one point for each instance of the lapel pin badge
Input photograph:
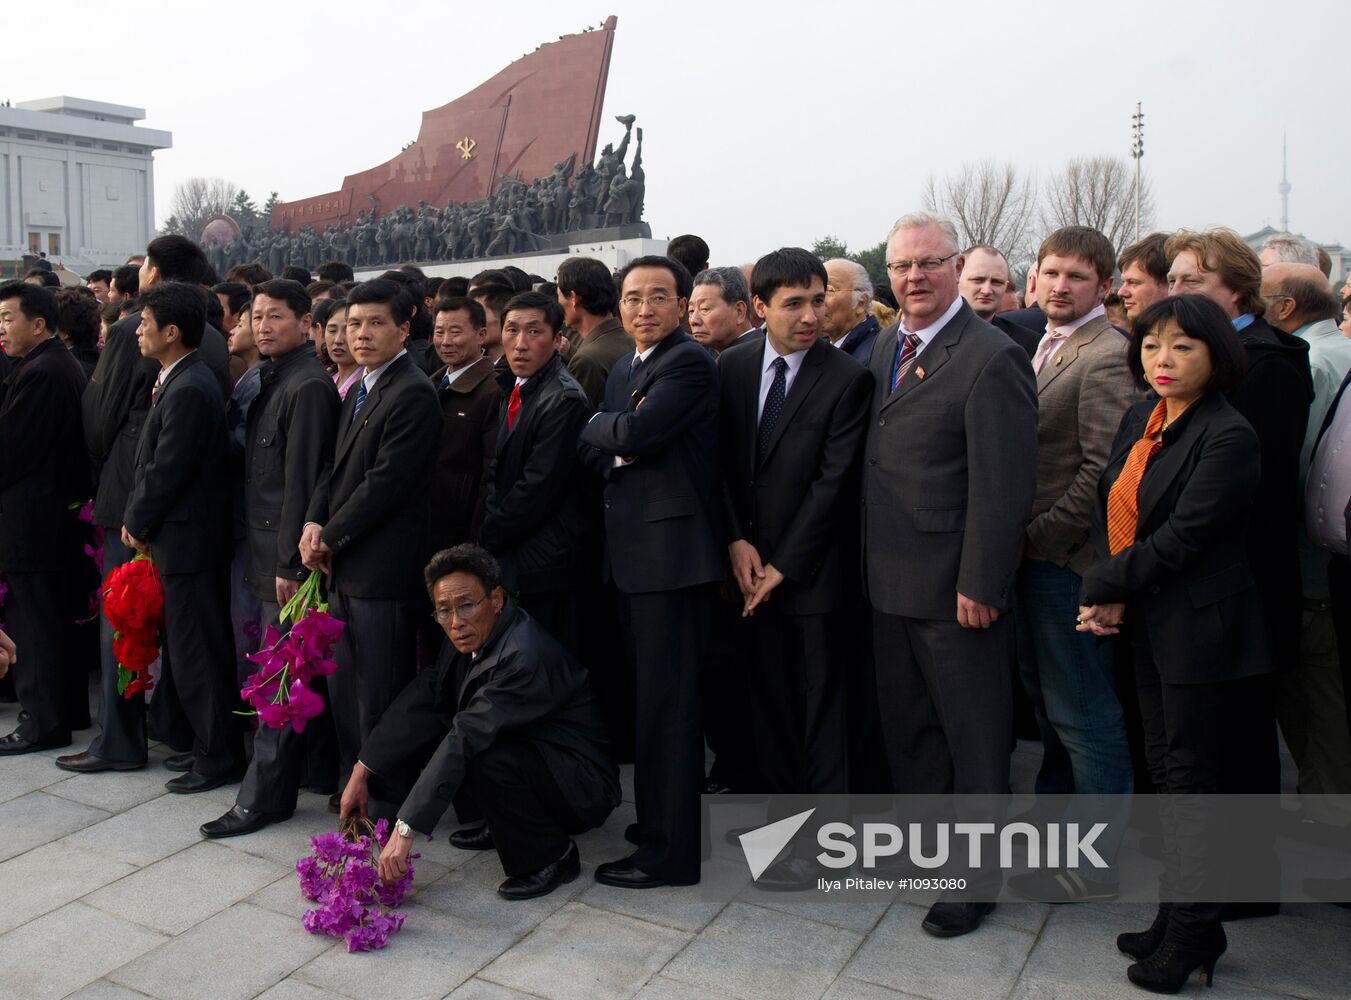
x,y
919,373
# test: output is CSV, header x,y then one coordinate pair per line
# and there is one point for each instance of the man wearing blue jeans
x,y
1083,388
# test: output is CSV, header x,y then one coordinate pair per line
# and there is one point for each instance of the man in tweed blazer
x,y
1083,388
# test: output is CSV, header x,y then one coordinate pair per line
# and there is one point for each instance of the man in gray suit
x,y
1083,389
949,474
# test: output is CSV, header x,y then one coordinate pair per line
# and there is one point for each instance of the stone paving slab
x,y
235,955
764,954
432,955
581,953
36,818
48,877
185,888
66,949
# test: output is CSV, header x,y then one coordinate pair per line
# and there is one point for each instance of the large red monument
x,y
540,110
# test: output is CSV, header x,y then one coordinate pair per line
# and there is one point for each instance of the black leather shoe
x,y
473,838
788,875
624,874
546,880
192,782
180,761
951,918
87,763
14,744
239,821
1139,945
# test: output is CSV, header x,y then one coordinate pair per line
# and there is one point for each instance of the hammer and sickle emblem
x,y
466,147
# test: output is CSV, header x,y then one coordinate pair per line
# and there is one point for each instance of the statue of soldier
x,y
310,243
341,248
276,252
637,183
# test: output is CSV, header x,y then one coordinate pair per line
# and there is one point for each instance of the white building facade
x,y
77,178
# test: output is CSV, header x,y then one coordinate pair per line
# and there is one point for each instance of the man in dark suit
x,y
1274,396
720,308
493,298
506,728
587,293
985,276
43,473
469,399
652,442
535,521
179,511
791,422
948,480
288,450
368,522
116,405
849,323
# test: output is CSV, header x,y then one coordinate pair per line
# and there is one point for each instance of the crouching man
x,y
505,727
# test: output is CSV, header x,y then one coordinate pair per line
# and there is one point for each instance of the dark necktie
x,y
905,358
361,398
154,392
445,381
778,392
634,365
513,405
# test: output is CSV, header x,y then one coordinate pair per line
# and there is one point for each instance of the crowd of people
x,y
829,534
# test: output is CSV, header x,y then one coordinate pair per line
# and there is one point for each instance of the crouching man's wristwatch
x,y
403,829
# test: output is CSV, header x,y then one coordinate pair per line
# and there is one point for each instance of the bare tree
x,y
196,200
1098,191
989,203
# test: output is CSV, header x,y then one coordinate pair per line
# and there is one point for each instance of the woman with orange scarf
x,y
1174,504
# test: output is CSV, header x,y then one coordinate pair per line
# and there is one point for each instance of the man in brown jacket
x,y
588,295
1083,389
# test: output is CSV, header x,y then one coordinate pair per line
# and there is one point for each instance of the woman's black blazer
x,y
1185,581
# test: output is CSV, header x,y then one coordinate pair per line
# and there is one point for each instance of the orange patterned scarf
x,y
1122,501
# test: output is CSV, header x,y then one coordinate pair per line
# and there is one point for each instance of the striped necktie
x,y
361,398
905,359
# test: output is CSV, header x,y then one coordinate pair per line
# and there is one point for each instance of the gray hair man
x,y
848,323
720,308
1287,248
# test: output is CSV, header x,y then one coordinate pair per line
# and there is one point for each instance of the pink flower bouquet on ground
x,y
279,692
341,875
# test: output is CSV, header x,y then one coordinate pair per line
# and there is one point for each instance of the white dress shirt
x,y
1055,336
928,333
372,377
767,373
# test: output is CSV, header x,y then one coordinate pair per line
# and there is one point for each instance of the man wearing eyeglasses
x,y
949,474
535,519
653,442
505,728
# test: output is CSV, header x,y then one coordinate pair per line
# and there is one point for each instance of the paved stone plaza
x,y
107,891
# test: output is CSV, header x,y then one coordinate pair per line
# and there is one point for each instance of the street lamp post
x,y
1137,151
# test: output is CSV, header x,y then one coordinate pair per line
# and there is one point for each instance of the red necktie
x,y
513,405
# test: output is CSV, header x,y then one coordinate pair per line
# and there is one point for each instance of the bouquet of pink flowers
x,y
341,874
280,691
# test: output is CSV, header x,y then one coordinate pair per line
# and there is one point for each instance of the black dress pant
x,y
797,701
1203,739
376,657
282,758
945,695
122,721
666,634
39,617
511,786
727,696
559,613
200,663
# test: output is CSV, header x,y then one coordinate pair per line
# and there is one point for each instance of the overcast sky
x,y
764,124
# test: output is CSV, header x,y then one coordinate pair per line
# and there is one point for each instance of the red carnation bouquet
x,y
279,692
133,603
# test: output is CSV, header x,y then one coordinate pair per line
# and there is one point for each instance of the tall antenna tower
x,y
1284,188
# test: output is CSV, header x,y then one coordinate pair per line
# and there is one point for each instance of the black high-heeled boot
x,y
1141,944
1169,968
